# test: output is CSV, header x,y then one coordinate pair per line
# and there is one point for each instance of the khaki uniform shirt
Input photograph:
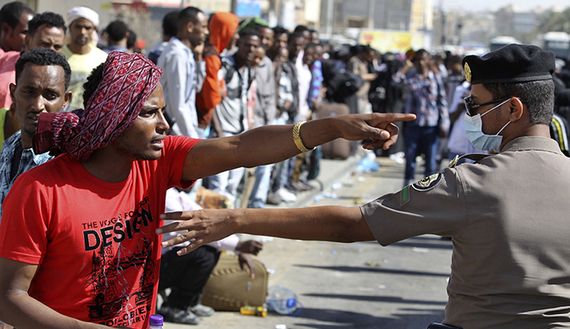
x,y
509,218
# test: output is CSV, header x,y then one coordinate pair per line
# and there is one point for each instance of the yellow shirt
x,y
81,67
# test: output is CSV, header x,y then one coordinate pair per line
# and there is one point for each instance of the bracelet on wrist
x,y
297,138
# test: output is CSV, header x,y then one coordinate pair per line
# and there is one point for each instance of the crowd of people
x,y
505,212
239,108
94,209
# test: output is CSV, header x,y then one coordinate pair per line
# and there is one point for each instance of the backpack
x,y
231,287
342,85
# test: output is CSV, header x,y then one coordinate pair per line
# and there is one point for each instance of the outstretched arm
x,y
270,144
19,309
326,223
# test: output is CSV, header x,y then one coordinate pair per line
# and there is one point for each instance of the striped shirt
x,y
28,160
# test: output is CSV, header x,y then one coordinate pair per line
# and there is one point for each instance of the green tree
x,y
555,21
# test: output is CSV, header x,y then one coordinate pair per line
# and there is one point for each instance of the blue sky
x,y
496,4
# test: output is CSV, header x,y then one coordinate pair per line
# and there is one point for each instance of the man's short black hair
x,y
278,30
538,96
454,59
44,57
294,36
10,13
117,30
311,46
358,49
262,27
93,81
419,53
301,29
46,18
169,23
188,14
249,32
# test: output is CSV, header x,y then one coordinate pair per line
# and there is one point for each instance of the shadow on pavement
x,y
350,269
381,299
416,319
424,241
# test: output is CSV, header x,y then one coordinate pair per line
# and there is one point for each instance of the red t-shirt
x,y
94,241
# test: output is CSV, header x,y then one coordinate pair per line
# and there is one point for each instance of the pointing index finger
x,y
393,117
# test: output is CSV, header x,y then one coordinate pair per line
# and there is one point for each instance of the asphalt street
x,y
356,285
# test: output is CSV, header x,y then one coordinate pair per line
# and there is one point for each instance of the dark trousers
x,y
420,140
186,275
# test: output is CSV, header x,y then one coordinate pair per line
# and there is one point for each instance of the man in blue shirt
x,y
179,78
426,99
42,79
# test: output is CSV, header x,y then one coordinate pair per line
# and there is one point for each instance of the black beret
x,y
512,63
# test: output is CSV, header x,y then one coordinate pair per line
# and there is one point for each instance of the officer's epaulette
x,y
475,157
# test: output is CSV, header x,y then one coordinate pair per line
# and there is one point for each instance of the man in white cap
x,y
81,52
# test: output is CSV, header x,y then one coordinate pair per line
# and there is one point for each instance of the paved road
x,y
357,285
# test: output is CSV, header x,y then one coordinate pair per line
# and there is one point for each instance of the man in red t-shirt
x,y
78,247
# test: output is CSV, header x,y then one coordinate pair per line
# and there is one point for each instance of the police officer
x,y
507,214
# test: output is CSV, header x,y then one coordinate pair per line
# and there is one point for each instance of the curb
x,y
331,171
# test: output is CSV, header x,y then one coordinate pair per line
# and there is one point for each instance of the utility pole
x,y
459,28
443,18
371,5
330,17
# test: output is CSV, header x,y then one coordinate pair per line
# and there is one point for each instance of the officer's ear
x,y
517,109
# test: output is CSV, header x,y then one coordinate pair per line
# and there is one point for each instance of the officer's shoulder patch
x,y
427,183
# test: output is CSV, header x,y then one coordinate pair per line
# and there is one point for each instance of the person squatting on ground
x,y
507,214
182,279
89,255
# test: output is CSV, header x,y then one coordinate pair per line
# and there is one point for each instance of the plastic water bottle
x,y
156,321
368,163
281,300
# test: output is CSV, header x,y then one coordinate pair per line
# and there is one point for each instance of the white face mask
x,y
475,134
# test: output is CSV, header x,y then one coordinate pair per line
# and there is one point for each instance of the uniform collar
x,y
534,143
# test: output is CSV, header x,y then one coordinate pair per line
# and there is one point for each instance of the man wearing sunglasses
x,y
507,215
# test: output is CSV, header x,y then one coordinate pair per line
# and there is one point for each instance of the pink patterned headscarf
x,y
127,81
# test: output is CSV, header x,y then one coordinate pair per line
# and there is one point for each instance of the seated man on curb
x,y
507,215
187,276
89,255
